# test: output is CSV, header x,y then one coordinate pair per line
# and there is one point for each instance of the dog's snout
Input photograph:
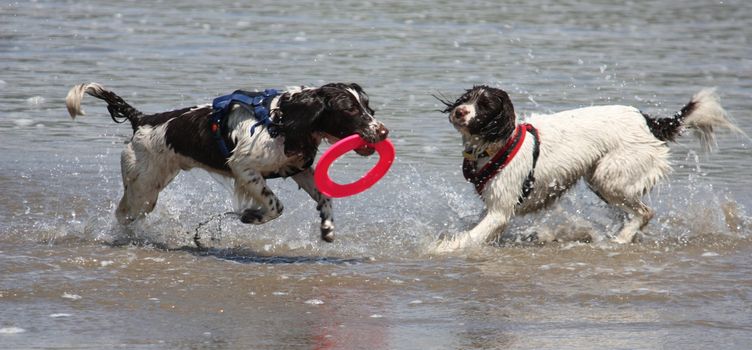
x,y
382,132
460,112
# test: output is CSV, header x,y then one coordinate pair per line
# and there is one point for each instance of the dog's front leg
x,y
487,231
252,184
304,179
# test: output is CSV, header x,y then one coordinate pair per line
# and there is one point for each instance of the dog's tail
x,y
120,111
703,114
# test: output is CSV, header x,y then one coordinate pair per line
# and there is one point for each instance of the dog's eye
x,y
352,111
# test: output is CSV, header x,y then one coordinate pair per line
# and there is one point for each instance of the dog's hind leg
x,y
638,217
251,184
304,179
625,195
143,178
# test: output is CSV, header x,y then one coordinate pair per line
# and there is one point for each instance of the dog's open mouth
x,y
365,151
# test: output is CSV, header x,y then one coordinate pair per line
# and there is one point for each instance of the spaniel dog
x,y
519,168
298,120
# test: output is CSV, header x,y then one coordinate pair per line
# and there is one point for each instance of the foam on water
x,y
36,101
11,330
23,122
71,296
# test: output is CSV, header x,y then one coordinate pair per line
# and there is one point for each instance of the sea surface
x,y
72,278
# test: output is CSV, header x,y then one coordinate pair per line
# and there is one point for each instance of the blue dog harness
x,y
258,103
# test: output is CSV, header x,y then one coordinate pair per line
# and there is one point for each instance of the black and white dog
x,y
165,143
518,168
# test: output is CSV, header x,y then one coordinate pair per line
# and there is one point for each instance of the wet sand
x,y
557,296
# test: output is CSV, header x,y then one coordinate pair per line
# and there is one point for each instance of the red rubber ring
x,y
332,189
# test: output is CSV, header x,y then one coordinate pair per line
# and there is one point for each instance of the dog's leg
x,y
304,179
250,183
143,178
639,216
487,231
637,213
622,177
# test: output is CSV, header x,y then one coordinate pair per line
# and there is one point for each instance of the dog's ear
x,y
299,114
507,109
355,87
501,126
364,99
361,93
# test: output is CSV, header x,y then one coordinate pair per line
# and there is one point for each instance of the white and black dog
x,y
518,168
165,143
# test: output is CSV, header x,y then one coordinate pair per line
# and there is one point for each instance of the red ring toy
x,y
333,189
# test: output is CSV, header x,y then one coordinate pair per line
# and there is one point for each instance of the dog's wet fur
x,y
165,143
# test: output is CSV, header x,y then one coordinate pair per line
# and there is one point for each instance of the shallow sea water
x,y
71,277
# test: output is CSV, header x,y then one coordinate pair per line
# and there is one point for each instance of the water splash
x,y
410,208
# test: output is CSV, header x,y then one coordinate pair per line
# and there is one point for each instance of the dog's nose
x,y
460,112
382,131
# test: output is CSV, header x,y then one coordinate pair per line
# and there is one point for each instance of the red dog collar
x,y
501,159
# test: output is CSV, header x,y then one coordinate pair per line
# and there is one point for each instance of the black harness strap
x,y
529,183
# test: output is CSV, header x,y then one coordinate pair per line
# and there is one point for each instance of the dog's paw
x,y
639,237
625,239
327,231
252,216
445,245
